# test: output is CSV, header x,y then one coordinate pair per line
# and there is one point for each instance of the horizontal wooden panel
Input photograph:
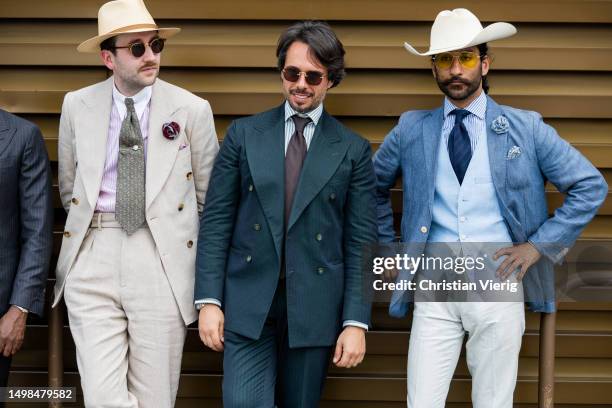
x,y
389,93
369,388
250,44
379,343
374,365
568,321
365,10
592,137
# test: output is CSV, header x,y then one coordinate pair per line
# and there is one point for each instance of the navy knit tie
x,y
459,146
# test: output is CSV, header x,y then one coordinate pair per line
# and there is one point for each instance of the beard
x,y
459,95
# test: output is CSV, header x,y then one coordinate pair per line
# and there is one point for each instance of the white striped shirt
x,y
108,188
474,123
309,130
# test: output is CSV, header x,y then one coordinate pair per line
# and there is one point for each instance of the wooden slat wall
x,y
559,64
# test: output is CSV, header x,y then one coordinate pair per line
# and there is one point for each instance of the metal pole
x,y
56,355
546,377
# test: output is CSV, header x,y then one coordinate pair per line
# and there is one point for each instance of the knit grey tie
x,y
130,201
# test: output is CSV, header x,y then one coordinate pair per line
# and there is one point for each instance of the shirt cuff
x,y
201,302
23,309
355,324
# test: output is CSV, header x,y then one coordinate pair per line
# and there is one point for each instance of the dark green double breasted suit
x,y
243,240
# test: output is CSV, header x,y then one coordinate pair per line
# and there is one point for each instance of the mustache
x,y
148,66
456,79
300,91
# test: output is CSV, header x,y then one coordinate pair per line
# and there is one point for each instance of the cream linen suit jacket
x,y
177,175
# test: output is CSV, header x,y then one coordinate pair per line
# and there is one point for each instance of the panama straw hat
x,y
460,28
121,17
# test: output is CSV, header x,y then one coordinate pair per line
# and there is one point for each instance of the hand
x,y
350,347
520,256
210,326
389,275
12,331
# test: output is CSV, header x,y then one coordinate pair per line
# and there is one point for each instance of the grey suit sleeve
x,y
584,187
36,226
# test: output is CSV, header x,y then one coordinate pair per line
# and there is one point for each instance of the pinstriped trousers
x,y
126,325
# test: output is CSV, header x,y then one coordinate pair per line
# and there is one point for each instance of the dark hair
x,y
109,44
483,49
323,43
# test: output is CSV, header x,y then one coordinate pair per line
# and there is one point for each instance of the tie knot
x,y
300,122
129,103
460,114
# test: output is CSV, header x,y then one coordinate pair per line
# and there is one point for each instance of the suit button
x,y
256,227
189,175
320,271
319,237
249,258
67,234
75,201
181,206
250,187
189,244
424,229
332,196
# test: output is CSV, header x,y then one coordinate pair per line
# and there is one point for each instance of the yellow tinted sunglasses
x,y
467,59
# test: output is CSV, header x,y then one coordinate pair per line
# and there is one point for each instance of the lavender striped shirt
x,y
108,188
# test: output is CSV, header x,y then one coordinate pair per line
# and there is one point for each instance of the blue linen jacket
x,y
410,151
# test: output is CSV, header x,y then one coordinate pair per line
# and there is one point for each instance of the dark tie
x,y
130,199
294,158
459,146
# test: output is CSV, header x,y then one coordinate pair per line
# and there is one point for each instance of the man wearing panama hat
x,y
135,156
473,173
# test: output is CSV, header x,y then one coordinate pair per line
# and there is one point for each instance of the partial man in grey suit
x,y
25,231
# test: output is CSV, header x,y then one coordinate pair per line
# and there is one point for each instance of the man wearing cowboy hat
x,y
135,155
474,172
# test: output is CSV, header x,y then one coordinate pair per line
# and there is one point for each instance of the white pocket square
x,y
513,153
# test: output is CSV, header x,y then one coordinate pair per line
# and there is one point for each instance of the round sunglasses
x,y
293,74
138,48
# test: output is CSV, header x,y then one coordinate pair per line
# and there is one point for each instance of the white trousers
x,y
126,325
495,331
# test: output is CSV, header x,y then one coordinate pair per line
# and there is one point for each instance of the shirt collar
x,y
314,114
141,100
478,106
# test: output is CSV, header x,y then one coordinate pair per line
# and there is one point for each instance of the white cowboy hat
x,y
460,28
120,17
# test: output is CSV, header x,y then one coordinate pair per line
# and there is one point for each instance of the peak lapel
x,y
161,152
91,125
265,151
326,151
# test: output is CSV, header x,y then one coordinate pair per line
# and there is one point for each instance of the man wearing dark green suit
x,y
291,203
